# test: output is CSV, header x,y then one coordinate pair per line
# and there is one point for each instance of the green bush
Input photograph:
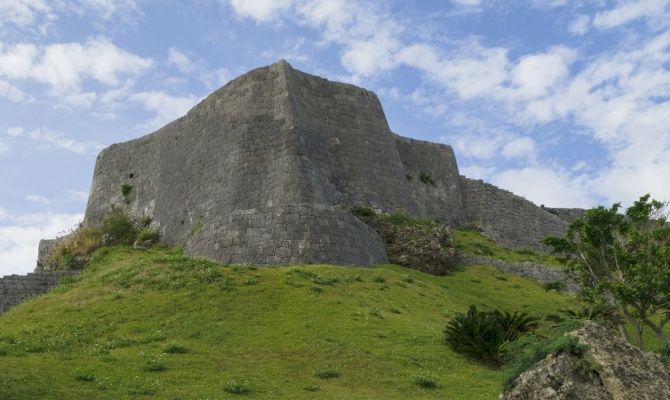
x,y
176,349
74,250
117,225
327,374
557,286
530,349
426,178
148,234
235,387
484,335
665,353
84,376
363,212
424,381
125,192
155,365
603,313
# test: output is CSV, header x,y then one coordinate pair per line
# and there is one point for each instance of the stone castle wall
x,y
15,289
266,169
506,218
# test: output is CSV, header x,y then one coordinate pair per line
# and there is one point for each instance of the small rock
x,y
107,240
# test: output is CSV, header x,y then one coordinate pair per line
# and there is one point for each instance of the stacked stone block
x,y
506,218
266,169
15,289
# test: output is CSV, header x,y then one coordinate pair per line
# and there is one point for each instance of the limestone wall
x,y
568,215
265,170
543,274
239,178
443,199
506,218
15,289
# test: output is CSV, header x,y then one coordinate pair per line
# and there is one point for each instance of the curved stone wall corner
x,y
306,233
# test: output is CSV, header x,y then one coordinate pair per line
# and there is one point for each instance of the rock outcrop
x,y
608,368
266,169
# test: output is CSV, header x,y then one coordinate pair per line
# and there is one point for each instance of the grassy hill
x,y
156,324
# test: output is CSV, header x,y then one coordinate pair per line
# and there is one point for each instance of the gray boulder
x,y
609,368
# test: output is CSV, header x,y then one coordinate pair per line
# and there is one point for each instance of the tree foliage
x,y
623,260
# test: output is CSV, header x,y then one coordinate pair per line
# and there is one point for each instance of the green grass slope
x,y
155,324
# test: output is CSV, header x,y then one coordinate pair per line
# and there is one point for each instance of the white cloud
x,y
21,233
180,60
77,195
535,74
64,67
198,68
44,138
105,9
167,107
39,15
260,10
474,71
467,3
580,25
519,147
23,12
629,11
12,93
37,199
552,187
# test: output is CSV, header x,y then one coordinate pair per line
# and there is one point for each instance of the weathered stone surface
x,y
15,289
44,250
542,273
506,218
265,170
609,368
427,248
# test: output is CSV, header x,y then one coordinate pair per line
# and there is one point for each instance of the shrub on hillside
x,y
74,250
118,226
484,335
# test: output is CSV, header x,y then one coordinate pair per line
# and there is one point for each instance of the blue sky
x,y
566,103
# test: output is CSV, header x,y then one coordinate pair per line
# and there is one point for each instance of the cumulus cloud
x,y
166,106
580,25
66,68
47,139
12,93
629,11
552,187
38,15
196,67
20,235
261,10
24,12
535,74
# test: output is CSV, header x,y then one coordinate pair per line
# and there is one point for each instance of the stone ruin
x,y
266,169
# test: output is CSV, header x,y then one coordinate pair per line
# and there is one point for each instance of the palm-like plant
x,y
484,335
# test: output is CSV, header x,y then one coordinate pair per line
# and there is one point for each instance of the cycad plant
x,y
484,335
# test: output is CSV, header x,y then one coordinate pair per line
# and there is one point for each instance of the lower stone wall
x,y
506,218
15,289
527,269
